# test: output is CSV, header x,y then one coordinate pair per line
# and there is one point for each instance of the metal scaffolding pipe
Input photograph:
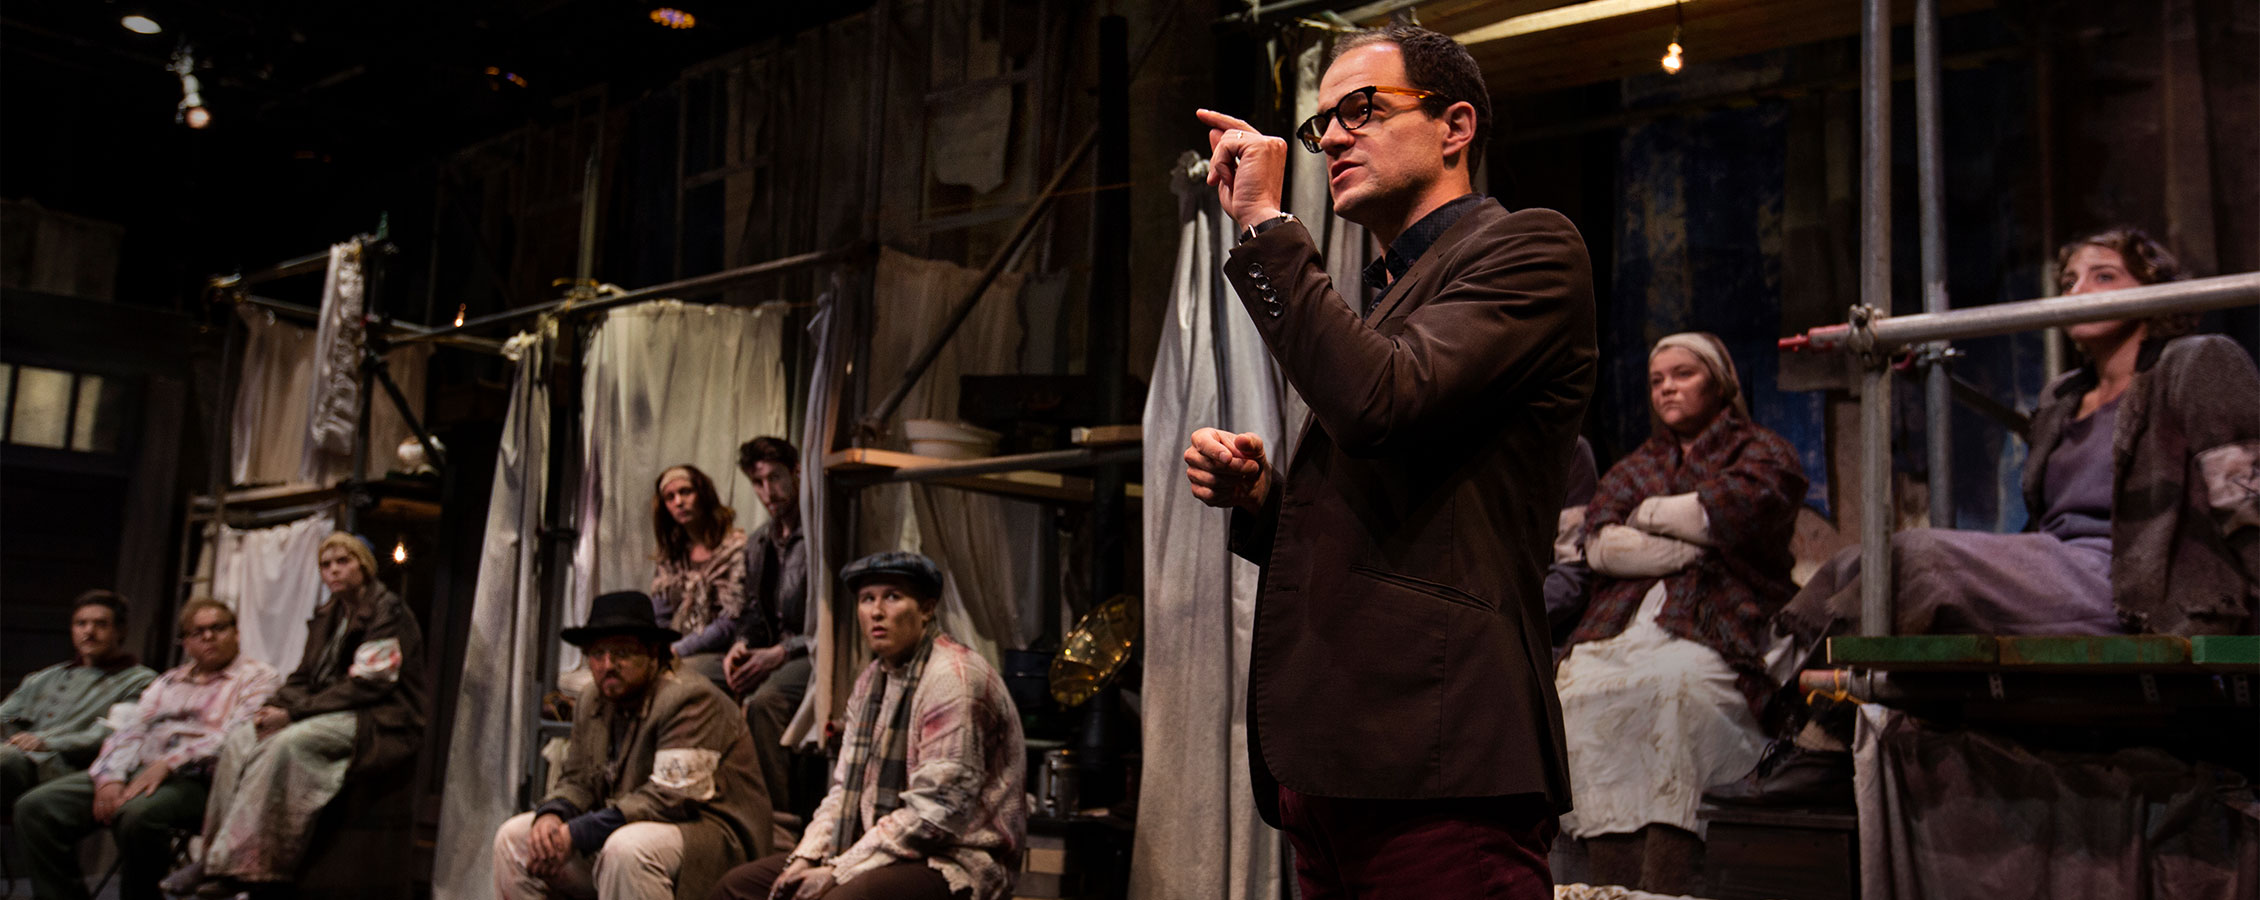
x,y
1884,335
1930,177
1875,295
688,287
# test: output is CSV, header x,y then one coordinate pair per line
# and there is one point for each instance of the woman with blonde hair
x,y
353,709
1688,537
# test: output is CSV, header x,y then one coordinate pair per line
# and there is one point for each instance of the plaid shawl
x,y
892,741
1750,484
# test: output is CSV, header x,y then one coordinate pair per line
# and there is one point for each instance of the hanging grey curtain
x,y
501,682
1211,370
830,331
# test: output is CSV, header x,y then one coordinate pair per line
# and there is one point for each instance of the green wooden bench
x,y
2133,653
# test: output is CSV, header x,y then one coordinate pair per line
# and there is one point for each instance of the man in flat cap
x,y
660,793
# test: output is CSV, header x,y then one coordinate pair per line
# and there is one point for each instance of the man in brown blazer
x,y
1403,728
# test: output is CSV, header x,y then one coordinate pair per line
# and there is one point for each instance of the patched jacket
x,y
370,663
2185,543
1750,484
686,759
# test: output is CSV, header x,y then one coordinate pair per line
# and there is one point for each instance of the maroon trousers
x,y
1492,847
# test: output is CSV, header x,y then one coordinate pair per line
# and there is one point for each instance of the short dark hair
x,y
1434,62
768,449
111,600
2147,260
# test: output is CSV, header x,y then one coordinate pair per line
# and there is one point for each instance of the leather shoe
x,y
184,881
1791,776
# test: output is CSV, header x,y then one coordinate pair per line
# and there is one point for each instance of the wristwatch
x,y
1249,233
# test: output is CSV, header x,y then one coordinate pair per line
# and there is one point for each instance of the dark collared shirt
x,y
1383,273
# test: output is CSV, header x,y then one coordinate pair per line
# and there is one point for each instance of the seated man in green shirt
x,y
55,721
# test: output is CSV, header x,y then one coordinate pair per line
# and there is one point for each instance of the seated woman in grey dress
x,y
2143,520
2159,541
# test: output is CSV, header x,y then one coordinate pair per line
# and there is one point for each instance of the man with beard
x,y
659,794
770,661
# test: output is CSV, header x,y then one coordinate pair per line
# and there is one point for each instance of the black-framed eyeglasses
x,y
1353,111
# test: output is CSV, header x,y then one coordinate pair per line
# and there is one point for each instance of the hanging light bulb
x,y
459,311
400,552
191,111
1672,60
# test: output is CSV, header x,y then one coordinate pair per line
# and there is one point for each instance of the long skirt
x,y
1652,720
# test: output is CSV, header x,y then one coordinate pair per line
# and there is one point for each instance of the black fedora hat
x,y
620,612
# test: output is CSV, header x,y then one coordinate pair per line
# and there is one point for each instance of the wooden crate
x,y
1781,854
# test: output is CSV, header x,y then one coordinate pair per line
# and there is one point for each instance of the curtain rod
x,y
693,286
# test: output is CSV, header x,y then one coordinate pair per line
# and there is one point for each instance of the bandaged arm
x,y
1674,516
1618,551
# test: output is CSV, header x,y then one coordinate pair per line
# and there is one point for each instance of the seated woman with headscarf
x,y
1688,538
926,799
2143,518
698,573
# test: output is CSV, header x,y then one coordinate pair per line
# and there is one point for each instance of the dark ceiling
x,y
323,113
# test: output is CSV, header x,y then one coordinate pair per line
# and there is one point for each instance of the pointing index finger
x,y
1222,122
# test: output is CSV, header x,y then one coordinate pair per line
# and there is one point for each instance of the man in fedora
x,y
660,794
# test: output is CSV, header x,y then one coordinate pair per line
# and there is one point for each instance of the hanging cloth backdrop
x,y
269,577
669,383
500,686
1211,370
979,540
337,354
665,383
270,439
831,332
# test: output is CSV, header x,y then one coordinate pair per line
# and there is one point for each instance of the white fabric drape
x,y
337,355
500,683
270,439
269,577
669,383
976,538
1212,370
665,383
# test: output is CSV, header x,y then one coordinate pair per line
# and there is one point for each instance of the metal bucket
x,y
1061,789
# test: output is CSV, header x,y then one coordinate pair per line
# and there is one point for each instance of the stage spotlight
x,y
141,24
196,117
674,18
400,552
